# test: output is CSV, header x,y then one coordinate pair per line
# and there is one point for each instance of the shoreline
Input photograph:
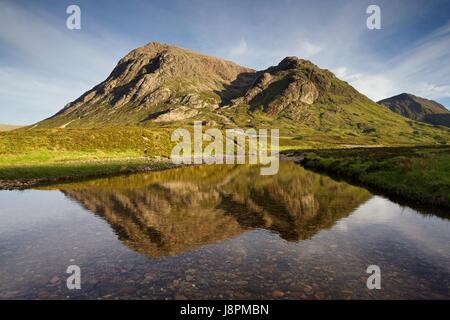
x,y
399,174
119,168
369,168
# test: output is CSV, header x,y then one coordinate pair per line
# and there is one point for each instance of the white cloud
x,y
28,96
341,72
422,69
374,86
239,49
432,91
39,42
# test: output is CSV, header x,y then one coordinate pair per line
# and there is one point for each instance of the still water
x,y
219,232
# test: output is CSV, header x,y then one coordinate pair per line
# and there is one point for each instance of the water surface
x,y
218,232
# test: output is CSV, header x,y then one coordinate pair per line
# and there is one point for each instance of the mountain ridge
x,y
159,74
159,85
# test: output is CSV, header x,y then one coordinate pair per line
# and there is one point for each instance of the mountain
x,y
160,85
156,82
163,83
418,108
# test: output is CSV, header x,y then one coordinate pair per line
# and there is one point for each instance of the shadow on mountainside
x,y
237,88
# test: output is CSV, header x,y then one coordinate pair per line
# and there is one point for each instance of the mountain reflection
x,y
175,211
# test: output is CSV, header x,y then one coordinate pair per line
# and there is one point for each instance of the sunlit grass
x,y
418,174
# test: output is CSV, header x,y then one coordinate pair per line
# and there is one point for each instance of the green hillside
x,y
419,175
27,146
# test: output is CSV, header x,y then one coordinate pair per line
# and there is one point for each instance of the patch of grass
x,y
39,146
8,127
73,153
420,174
78,169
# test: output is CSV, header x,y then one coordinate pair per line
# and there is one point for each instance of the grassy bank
x,y
24,176
30,157
40,146
40,155
420,174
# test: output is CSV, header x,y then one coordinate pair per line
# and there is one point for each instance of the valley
x,y
124,124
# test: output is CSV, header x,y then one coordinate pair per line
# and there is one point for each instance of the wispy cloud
x,y
26,97
375,86
309,49
423,69
48,66
239,49
43,65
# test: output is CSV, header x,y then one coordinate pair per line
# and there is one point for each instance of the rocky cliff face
x,y
157,82
292,88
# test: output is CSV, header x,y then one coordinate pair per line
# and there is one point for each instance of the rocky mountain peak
x,y
290,63
159,77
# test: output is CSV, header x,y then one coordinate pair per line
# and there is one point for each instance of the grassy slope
x,y
44,145
8,127
53,153
366,128
48,172
417,174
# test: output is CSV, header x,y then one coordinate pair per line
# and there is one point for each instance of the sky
x,y
44,65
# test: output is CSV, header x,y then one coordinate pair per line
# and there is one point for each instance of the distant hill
x,y
418,108
7,127
160,85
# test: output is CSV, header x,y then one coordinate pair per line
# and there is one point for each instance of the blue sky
x,y
43,65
